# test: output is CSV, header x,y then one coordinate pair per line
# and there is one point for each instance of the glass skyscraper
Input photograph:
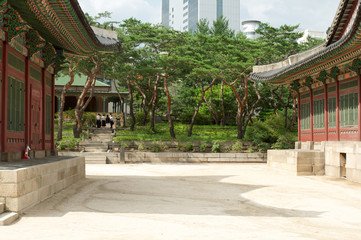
x,y
183,15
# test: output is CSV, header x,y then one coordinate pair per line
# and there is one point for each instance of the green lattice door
x,y
35,120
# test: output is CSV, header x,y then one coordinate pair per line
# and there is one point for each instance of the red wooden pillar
x,y
326,112
299,116
359,106
52,110
3,90
27,105
43,106
338,109
311,112
4,96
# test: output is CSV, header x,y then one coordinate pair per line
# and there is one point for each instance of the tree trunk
x,y
210,111
131,107
144,105
223,121
123,113
81,104
280,101
252,110
80,108
286,109
121,102
169,108
241,102
62,99
198,106
154,102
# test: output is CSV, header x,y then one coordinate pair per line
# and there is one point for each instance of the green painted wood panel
x,y
15,111
332,112
48,115
349,110
305,116
16,62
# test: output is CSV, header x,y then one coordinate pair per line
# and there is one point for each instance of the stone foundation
x,y
332,158
298,162
25,186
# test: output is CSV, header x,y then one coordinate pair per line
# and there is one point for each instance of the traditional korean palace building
x,y
327,81
35,36
105,97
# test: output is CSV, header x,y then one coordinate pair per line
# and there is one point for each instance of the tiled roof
x,y
79,80
343,43
63,23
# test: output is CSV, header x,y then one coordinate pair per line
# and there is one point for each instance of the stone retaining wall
x,y
297,161
25,187
144,157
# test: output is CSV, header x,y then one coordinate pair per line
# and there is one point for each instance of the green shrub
x,y
70,144
216,147
237,147
158,146
250,150
141,147
89,119
201,119
260,132
203,147
284,142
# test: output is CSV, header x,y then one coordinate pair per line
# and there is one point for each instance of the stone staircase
x,y
99,143
7,218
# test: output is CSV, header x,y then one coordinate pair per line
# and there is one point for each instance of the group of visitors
x,y
105,121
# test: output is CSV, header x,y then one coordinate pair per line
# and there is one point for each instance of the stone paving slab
x,y
195,202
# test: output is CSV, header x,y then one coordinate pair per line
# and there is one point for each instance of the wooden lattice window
x,y
305,116
15,107
319,114
48,115
332,112
35,74
16,62
48,81
349,110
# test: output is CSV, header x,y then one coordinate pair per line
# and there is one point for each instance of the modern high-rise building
x,y
183,15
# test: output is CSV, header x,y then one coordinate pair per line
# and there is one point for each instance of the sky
x,y
309,14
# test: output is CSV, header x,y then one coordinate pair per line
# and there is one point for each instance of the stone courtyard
x,y
195,201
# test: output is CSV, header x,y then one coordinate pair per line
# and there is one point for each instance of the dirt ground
x,y
195,201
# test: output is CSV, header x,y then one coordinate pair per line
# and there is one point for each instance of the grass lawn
x,y
200,133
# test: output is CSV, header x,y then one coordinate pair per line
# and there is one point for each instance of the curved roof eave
x,y
63,24
325,54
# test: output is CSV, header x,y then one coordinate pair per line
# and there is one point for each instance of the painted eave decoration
x,y
63,24
343,44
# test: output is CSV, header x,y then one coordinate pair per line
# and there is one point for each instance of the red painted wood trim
x,y
299,115
359,106
326,111
311,112
43,97
338,110
27,103
3,97
52,110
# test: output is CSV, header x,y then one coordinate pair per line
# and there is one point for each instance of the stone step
x,y
96,159
8,218
2,207
94,149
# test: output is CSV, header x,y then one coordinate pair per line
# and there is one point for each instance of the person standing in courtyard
x,y
103,120
111,121
107,121
98,118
